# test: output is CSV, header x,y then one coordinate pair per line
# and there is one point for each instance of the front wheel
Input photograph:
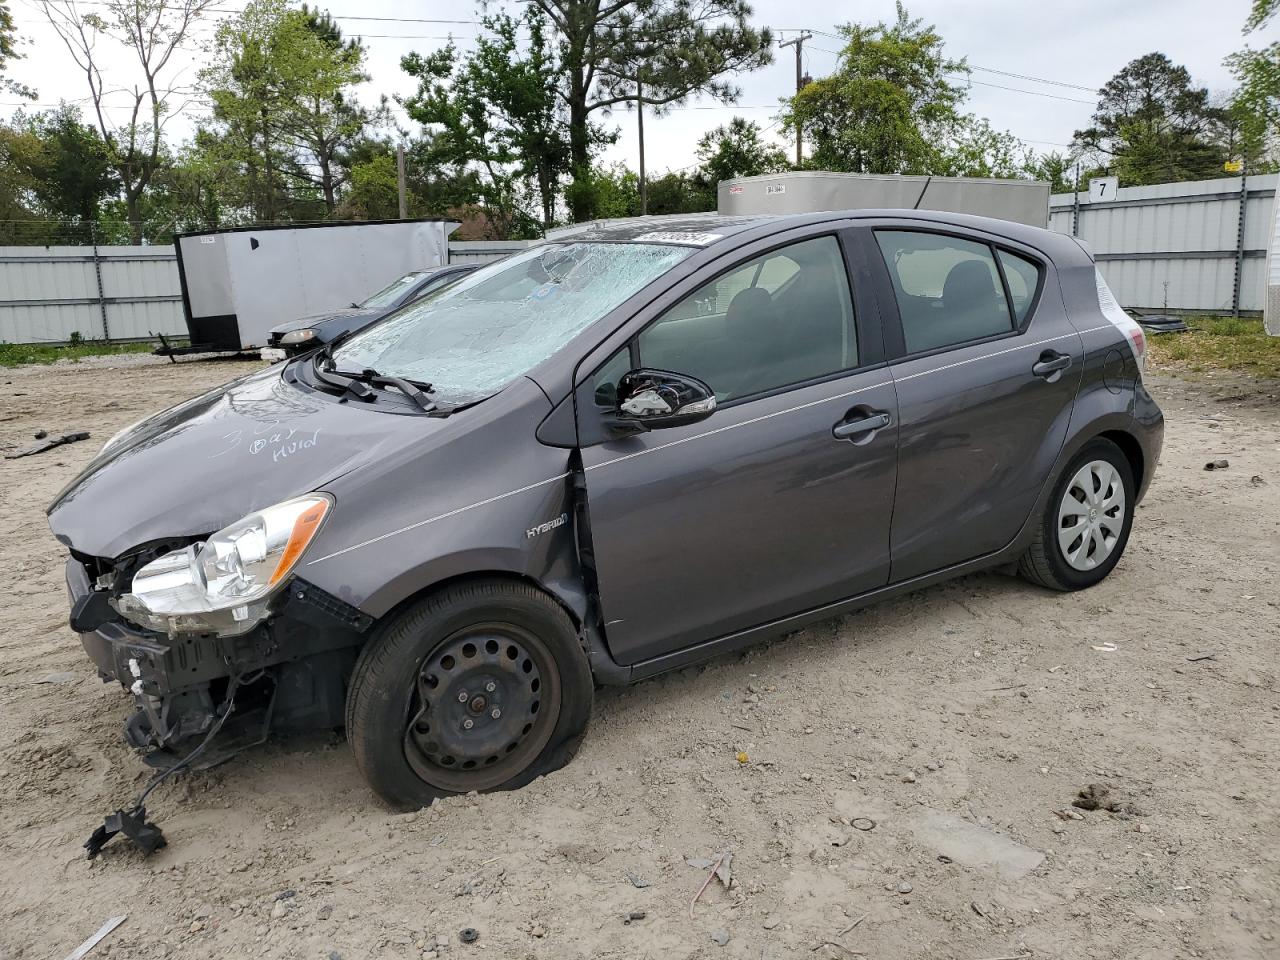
x,y
1086,522
482,686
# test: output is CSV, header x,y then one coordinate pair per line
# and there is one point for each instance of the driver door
x,y
771,506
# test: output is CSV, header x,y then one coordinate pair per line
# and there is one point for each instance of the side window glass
x,y
948,289
1023,277
778,319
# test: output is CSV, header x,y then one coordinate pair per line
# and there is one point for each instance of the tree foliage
x,y
496,114
653,52
154,32
9,53
738,149
1152,125
1256,105
281,81
889,107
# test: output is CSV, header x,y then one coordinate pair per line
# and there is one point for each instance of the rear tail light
x,y
1112,310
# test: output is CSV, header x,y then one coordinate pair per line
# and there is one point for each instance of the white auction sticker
x,y
677,236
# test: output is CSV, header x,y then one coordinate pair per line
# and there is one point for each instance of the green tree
x,y
280,80
154,32
738,149
1152,125
615,191
496,114
679,193
9,53
71,171
976,149
888,106
1054,167
1255,108
670,49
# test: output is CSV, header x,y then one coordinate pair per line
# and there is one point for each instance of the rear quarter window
x,y
1023,277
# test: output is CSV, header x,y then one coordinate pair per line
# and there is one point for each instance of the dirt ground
x,y
958,723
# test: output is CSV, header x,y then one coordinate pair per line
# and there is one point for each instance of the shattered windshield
x,y
393,291
481,333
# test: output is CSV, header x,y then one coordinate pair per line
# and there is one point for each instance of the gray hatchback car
x,y
614,454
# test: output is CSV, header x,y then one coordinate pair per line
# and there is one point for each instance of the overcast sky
x,y
1077,45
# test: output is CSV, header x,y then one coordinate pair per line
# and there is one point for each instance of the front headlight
x,y
222,585
295,337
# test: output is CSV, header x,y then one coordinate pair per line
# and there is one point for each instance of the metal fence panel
x,y
117,293
1174,246
49,293
477,251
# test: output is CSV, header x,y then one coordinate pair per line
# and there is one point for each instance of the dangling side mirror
x,y
652,399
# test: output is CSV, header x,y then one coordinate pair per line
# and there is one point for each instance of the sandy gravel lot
x,y
957,721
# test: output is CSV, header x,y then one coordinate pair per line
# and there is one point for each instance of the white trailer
x,y
1271,301
814,191
237,284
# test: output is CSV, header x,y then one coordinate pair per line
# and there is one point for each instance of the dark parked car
x,y
305,333
598,460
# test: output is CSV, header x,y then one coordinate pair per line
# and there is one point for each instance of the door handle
x,y
851,428
1051,365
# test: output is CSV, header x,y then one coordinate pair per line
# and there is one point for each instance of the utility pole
x,y
644,201
404,200
798,43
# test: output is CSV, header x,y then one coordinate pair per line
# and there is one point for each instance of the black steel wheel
x,y
481,686
485,704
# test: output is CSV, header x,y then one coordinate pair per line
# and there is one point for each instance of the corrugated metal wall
x,y
1173,246
475,251
126,293
49,293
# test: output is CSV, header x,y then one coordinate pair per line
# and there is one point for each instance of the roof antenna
x,y
923,191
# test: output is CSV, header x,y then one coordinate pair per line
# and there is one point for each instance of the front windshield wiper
x,y
413,389
347,385
358,383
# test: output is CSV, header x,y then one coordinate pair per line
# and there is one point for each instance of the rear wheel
x,y
1086,522
482,686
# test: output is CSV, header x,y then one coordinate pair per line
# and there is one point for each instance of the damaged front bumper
x,y
305,649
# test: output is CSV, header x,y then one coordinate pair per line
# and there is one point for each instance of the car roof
x,y
708,229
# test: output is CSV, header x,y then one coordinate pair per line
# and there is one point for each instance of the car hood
x,y
205,463
351,313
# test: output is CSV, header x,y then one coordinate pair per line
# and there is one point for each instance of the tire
x,y
1077,544
481,686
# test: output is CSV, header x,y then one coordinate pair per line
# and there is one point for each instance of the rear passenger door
x,y
986,365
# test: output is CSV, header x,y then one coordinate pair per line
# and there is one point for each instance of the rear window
x,y
948,289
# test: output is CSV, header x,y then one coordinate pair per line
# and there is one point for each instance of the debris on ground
x,y
720,936
1099,796
637,881
48,444
100,935
720,869
1217,465
633,916
65,676
1202,656
468,934
975,846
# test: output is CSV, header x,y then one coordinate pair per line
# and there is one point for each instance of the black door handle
x,y
1051,365
851,428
